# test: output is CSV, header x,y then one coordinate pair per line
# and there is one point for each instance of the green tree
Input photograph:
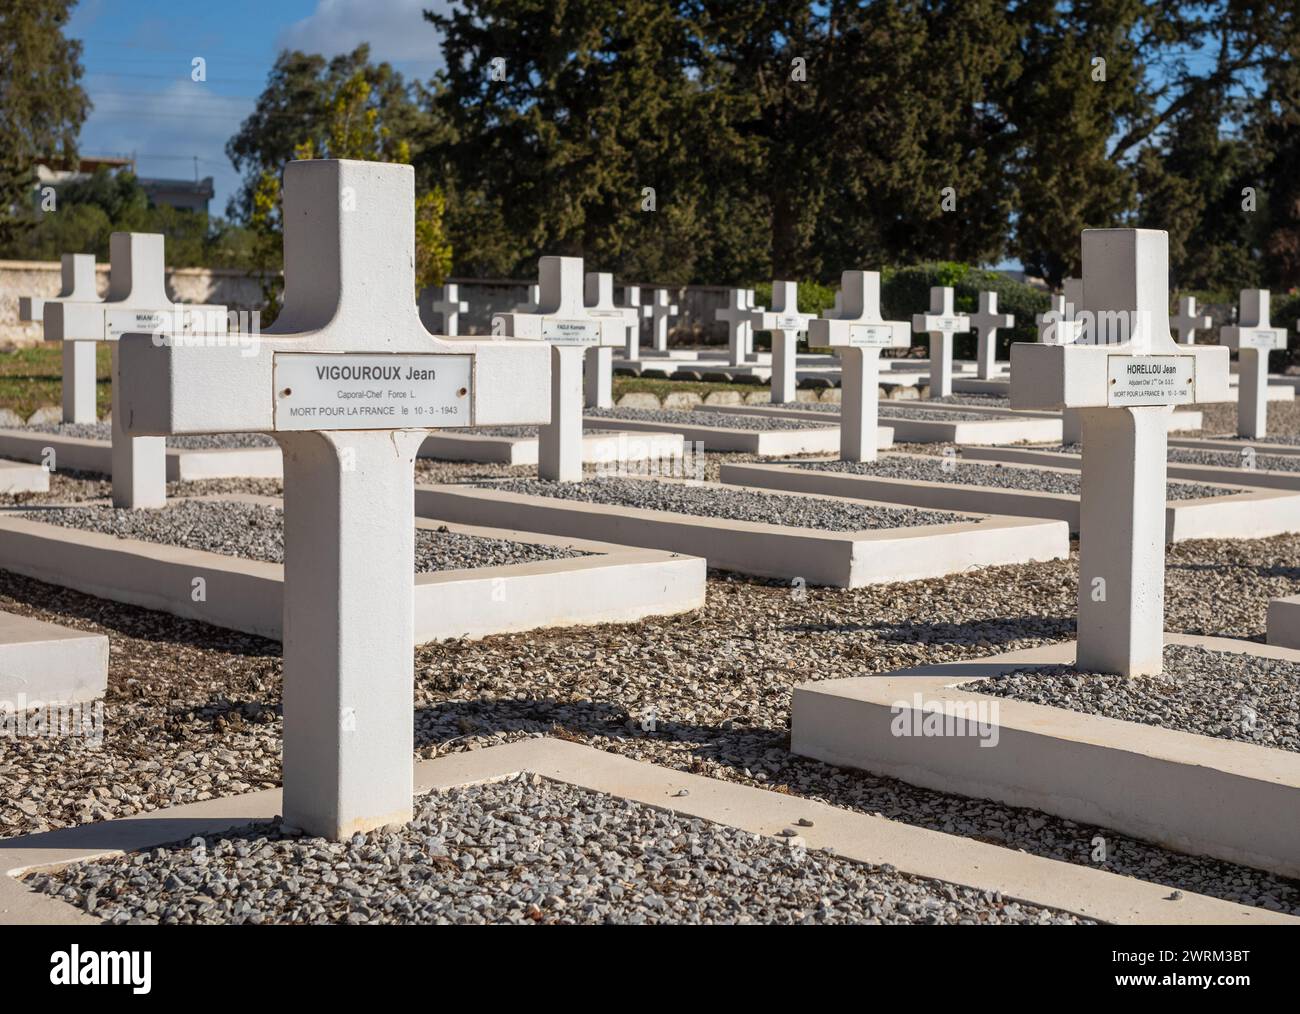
x,y
42,100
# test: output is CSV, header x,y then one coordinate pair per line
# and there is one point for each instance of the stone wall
x,y
241,291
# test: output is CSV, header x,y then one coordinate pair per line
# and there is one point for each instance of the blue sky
x,y
138,56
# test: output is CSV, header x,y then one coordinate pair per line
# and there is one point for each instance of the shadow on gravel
x,y
1001,630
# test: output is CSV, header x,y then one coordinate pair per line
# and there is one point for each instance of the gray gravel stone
x,y
733,504
925,410
935,469
1228,459
725,420
508,431
256,532
523,851
1212,693
194,442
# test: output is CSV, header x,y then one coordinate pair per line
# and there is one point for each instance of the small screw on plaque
x,y
286,392
462,392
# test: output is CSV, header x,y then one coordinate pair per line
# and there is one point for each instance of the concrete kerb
x,y
22,477
611,447
84,455
1256,478
1235,446
616,585
1196,794
822,439
857,837
1245,513
1003,428
838,559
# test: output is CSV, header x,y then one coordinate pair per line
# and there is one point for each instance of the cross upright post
x,y
986,321
349,382
660,310
598,299
77,277
562,321
1124,378
441,307
858,333
942,322
736,315
1253,337
784,321
1187,322
632,297
137,302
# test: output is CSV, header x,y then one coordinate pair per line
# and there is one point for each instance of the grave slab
x,y
21,477
84,454
921,422
1258,476
822,556
1195,793
612,584
606,447
858,837
713,432
49,664
1240,512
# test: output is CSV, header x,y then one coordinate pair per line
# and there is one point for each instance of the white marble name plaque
x,y
371,392
1262,338
870,335
784,323
570,332
1150,380
178,321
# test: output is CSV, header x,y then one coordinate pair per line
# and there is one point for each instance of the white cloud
x,y
395,29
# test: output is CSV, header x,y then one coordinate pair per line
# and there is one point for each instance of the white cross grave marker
x,y
1188,321
562,321
736,315
1253,336
1059,325
440,309
534,297
349,382
942,322
660,310
137,302
785,322
77,273
986,321
598,298
632,296
1125,378
858,333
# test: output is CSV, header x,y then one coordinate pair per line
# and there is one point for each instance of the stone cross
x,y
660,310
441,307
736,315
942,322
1058,326
349,382
1188,321
598,298
1253,336
534,295
752,304
562,321
1073,290
858,333
986,321
137,301
632,296
78,286
784,321
1124,378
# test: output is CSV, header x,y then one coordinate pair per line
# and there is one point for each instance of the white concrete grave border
x,y
609,448
1004,428
713,434
615,584
1248,513
82,454
850,559
137,302
1254,478
1198,794
857,837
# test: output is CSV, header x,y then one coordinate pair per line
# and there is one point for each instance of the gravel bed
x,y
1230,459
1040,480
1210,693
195,442
256,532
920,410
733,504
991,400
523,851
727,420
510,431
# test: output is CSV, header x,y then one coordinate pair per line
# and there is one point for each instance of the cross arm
x,y
1078,376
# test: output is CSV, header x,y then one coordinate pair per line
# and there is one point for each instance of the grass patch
x,y
33,377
